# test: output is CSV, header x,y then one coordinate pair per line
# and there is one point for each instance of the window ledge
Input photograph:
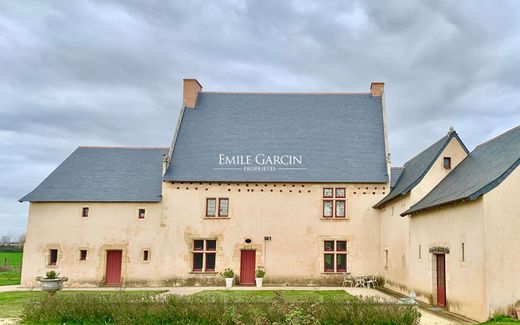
x,y
204,273
216,218
333,273
334,219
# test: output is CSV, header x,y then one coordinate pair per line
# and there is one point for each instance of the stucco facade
x,y
290,214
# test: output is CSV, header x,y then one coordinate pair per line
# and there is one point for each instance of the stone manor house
x,y
298,183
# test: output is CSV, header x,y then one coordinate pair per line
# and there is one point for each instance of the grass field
x,y
273,293
11,303
12,261
502,320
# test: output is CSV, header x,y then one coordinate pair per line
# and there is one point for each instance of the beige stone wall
x,y
108,226
395,231
465,280
289,213
502,249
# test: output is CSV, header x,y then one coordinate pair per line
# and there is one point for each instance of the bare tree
x,y
5,239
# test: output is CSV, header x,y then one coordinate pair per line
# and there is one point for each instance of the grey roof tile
x,y
339,136
395,174
96,174
417,167
484,169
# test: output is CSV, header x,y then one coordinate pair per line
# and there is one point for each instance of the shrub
x,y
260,272
51,275
120,308
228,273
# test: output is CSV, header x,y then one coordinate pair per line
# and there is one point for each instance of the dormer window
x,y
447,162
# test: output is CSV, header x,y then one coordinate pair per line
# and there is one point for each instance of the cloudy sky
x,y
109,73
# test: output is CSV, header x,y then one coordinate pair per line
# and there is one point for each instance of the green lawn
x,y
11,302
502,320
12,261
272,293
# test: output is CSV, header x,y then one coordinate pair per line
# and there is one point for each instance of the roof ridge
x,y
282,93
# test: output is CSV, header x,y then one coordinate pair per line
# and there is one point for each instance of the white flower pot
x,y
229,283
259,282
51,285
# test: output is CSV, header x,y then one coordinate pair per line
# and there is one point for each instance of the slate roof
x,y
339,136
417,167
484,169
97,174
395,174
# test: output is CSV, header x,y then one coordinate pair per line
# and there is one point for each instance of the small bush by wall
x,y
125,309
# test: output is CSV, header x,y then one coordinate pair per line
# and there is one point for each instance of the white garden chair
x,y
348,281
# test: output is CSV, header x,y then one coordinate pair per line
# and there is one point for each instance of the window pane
x,y
223,207
211,207
210,261
341,246
141,213
145,255
82,255
327,209
447,162
340,192
329,245
211,245
341,262
198,245
327,192
329,262
340,208
84,212
197,261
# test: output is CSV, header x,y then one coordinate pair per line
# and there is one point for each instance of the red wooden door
x,y
441,280
247,266
113,272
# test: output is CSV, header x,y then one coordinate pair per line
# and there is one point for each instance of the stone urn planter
x,y
51,283
229,276
259,279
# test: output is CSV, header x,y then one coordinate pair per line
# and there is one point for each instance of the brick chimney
x,y
377,88
190,91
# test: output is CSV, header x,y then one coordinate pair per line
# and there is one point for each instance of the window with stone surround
x,y
204,255
335,256
53,257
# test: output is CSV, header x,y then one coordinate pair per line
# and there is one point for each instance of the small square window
x,y
328,192
146,255
211,245
198,245
83,255
341,245
329,245
211,207
84,212
53,256
447,162
340,192
141,213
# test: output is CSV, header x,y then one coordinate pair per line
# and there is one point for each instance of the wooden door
x,y
247,267
441,280
113,272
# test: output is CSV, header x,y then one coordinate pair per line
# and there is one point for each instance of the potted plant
x,y
229,275
52,282
259,276
517,308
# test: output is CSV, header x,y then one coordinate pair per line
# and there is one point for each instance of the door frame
x,y
120,267
437,260
254,251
